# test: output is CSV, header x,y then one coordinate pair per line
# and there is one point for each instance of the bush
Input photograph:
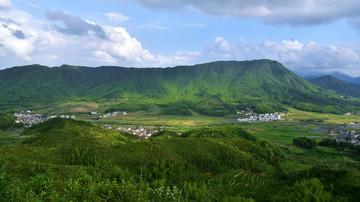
x,y
165,193
304,142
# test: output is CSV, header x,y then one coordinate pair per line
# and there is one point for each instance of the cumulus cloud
x,y
17,34
304,12
74,25
300,57
24,38
116,18
5,4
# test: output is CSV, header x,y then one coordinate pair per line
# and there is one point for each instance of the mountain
x,y
213,88
339,86
338,75
342,77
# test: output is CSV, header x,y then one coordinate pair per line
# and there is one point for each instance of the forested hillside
x,y
216,88
64,160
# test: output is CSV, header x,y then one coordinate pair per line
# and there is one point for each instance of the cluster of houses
x,y
347,136
139,131
28,118
63,116
115,113
262,117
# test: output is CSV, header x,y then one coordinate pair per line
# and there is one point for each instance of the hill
x,y
63,159
341,87
215,88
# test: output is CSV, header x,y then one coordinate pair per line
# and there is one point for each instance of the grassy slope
x,y
214,88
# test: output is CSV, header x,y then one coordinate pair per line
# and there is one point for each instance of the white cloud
x,y
295,55
24,38
116,18
5,4
103,57
269,11
17,34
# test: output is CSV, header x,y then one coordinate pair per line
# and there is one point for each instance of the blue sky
x,y
304,35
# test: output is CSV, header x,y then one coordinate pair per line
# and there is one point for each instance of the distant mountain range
x,y
215,88
339,86
339,75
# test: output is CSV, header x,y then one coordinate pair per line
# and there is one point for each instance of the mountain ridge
x,y
214,88
339,86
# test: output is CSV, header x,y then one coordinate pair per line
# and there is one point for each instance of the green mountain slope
x,y
340,87
215,88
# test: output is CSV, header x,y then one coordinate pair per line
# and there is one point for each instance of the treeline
x,y
326,142
7,121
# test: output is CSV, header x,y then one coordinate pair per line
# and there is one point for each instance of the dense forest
x,y
68,160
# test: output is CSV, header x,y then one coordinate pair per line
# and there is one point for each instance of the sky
x,y
306,36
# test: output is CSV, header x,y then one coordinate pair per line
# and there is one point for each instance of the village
x,y
346,136
139,131
28,118
114,113
262,117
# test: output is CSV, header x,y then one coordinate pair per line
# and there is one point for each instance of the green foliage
x,y
165,134
165,194
115,191
195,192
263,108
128,107
79,186
68,160
42,187
305,190
176,108
220,132
304,142
6,121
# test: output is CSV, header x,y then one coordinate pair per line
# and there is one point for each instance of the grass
x,y
178,123
282,132
9,137
298,115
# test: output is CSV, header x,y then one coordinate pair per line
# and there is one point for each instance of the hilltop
x,y
62,154
341,87
216,88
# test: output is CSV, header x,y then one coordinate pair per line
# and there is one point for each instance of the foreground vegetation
x,y
76,160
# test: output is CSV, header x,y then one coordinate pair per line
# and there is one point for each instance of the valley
x,y
92,141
